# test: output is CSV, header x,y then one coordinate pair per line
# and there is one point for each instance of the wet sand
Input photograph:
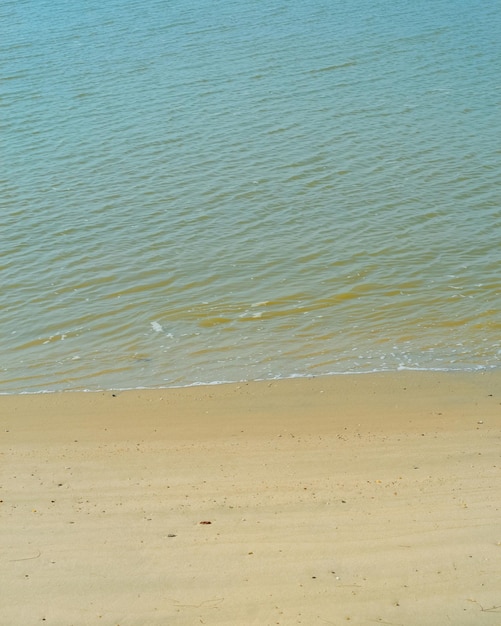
x,y
365,499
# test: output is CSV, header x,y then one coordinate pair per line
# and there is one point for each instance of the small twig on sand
x,y
492,609
28,558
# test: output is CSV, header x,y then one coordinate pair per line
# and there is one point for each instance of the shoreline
x,y
334,499
215,383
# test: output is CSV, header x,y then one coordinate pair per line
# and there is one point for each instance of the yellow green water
x,y
201,192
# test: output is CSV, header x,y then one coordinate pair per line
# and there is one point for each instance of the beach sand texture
x,y
366,499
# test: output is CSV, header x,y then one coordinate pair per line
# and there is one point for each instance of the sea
x,y
205,191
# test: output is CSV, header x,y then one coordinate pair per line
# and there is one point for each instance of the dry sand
x,y
369,499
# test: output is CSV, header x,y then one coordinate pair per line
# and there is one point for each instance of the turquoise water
x,y
211,191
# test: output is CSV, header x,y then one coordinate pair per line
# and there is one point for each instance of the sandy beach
x,y
364,499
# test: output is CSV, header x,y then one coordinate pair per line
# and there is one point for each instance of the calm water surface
x,y
210,191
